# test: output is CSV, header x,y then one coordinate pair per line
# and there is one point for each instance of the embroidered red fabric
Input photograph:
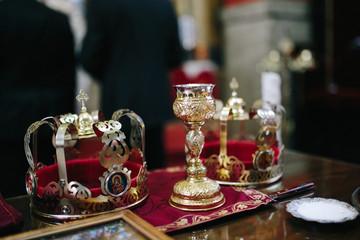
x,y
157,211
10,218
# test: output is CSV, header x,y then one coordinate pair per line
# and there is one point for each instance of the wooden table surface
x,y
333,179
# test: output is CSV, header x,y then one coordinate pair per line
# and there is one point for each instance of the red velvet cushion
x,y
84,171
242,150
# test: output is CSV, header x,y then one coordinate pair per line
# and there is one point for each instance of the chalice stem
x,y
194,138
195,143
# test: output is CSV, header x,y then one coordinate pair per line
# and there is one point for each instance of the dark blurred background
x,y
222,39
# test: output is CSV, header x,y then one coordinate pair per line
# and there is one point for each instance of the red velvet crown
x,y
95,169
251,159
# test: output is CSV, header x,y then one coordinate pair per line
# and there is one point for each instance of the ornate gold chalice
x,y
194,104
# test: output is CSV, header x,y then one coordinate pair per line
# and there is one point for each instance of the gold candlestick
x,y
194,104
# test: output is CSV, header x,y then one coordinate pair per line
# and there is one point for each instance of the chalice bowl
x,y
194,104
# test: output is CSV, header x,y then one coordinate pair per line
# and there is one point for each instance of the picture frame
x,y
118,225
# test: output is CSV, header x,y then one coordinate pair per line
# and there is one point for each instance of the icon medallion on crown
x,y
249,149
97,166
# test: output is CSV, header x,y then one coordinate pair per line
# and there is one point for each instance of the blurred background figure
x,y
131,46
37,79
75,10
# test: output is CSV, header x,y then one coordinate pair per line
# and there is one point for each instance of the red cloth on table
x,y
157,211
10,218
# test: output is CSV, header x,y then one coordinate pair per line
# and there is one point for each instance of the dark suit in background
x,y
131,46
36,80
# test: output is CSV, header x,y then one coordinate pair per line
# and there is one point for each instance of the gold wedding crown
x,y
96,168
246,159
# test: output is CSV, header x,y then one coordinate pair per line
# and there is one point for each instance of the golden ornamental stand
x,y
194,104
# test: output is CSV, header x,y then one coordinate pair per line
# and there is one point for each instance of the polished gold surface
x,y
64,198
236,104
85,120
194,105
71,199
228,169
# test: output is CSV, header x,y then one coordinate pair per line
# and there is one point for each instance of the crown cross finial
x,y
82,97
234,85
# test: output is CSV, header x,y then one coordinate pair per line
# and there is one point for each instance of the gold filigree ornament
x,y
96,170
194,104
246,160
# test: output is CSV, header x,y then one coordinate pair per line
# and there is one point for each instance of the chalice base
x,y
194,194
